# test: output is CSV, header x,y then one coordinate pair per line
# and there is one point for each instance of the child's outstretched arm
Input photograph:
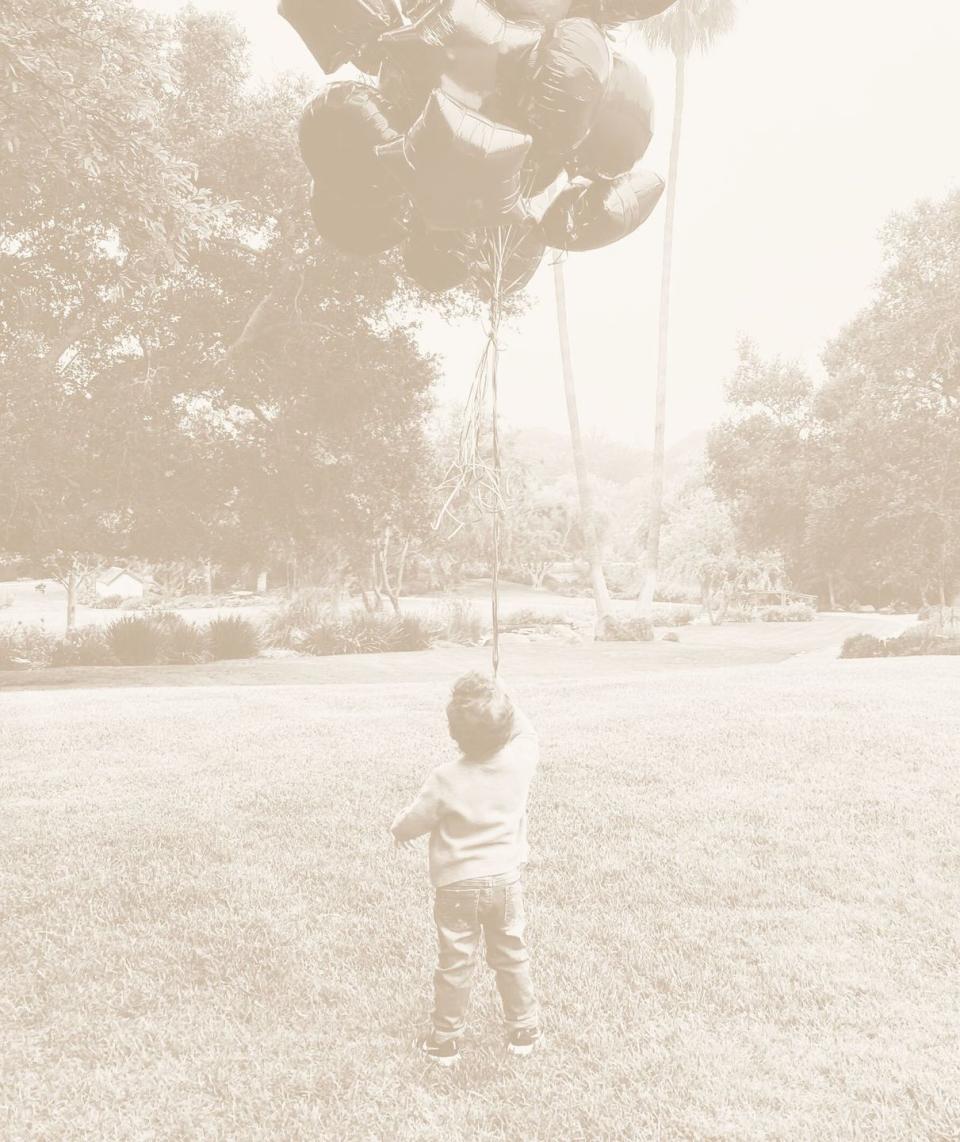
x,y
421,816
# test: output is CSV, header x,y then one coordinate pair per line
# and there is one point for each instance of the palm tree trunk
x,y
601,596
649,586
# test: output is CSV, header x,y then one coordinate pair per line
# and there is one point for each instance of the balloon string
x,y
495,309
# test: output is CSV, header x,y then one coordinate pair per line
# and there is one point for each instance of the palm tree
x,y
588,519
688,26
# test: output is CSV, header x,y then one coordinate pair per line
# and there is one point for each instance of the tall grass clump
x,y
286,627
460,622
85,646
365,632
232,637
134,641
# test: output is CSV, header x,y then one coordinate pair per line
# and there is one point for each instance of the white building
x,y
122,583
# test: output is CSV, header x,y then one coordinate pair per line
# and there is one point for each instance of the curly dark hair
x,y
480,716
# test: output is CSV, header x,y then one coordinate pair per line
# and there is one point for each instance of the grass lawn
x,y
742,905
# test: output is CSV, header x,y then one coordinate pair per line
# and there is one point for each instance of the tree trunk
x,y
262,583
831,592
72,597
601,596
652,555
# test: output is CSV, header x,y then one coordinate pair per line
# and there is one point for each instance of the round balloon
x,y
340,131
567,77
623,129
437,260
359,225
464,46
508,257
591,214
462,170
336,30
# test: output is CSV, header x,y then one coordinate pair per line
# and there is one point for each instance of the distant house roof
x,y
112,574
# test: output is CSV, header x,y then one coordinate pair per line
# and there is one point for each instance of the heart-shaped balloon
x,y
465,47
461,169
591,214
623,128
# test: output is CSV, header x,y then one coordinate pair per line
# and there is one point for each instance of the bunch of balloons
x,y
480,132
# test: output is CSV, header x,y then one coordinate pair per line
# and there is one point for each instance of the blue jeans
x,y
492,905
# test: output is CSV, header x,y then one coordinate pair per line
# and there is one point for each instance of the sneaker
x,y
522,1042
446,1053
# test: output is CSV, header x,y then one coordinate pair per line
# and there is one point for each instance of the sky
x,y
804,129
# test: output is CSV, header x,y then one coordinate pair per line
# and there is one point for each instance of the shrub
x,y
791,613
134,641
232,637
679,616
739,615
133,604
22,646
109,602
305,611
862,646
87,646
181,643
363,632
526,617
627,630
460,622
416,632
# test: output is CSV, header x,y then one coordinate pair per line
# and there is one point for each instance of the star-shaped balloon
x,y
462,170
591,214
464,46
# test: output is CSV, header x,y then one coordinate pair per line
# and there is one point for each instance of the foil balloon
x,y
589,215
464,46
340,131
506,261
461,169
523,261
563,91
404,95
437,260
543,12
367,224
623,129
335,31
610,13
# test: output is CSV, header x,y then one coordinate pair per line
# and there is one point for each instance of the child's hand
x,y
398,845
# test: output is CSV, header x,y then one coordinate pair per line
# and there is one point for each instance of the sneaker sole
x,y
526,1049
442,1060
